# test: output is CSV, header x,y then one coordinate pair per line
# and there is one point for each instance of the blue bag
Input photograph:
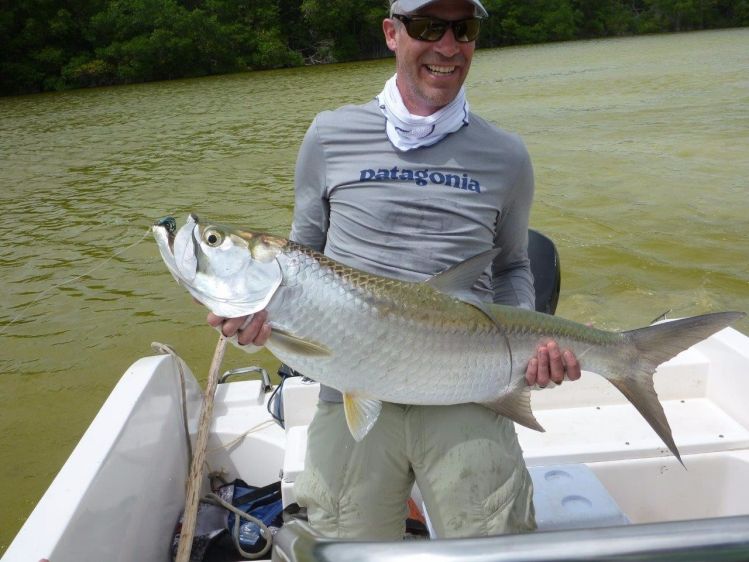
x,y
237,519
264,505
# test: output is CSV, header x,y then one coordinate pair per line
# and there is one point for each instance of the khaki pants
x,y
465,459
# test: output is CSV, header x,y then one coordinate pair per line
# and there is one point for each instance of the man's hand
x,y
255,332
551,364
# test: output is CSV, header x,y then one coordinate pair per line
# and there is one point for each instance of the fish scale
x,y
435,337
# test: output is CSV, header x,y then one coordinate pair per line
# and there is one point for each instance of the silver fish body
x,y
397,341
377,339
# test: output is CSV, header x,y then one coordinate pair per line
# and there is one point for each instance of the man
x,y
406,186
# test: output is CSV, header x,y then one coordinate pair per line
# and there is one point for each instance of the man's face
x,y
430,74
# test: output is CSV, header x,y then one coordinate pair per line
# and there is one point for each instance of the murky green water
x,y
641,150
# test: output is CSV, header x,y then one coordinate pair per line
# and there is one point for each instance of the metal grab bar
x,y
244,370
722,538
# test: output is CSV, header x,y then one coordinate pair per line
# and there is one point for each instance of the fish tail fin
x,y
649,347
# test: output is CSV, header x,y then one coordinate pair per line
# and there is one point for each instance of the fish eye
x,y
213,237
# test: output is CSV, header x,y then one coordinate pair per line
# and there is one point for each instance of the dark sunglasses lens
x,y
428,29
466,30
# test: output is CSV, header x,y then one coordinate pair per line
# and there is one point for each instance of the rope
x,y
192,483
196,470
238,439
165,349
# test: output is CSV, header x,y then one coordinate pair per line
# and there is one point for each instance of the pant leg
x,y
470,470
356,490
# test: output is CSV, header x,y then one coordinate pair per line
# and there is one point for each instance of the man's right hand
x,y
256,332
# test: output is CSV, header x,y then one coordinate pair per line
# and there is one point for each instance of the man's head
x,y
433,42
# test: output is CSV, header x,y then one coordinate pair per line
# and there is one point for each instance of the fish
x,y
377,339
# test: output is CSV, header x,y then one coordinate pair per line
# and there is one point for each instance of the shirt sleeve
x,y
512,280
311,207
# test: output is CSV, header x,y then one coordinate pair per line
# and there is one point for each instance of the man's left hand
x,y
551,364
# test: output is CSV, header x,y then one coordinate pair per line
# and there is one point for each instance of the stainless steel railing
x,y
724,538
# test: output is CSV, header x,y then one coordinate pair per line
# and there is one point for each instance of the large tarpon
x,y
377,339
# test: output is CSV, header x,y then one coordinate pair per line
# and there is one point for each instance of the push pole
x,y
190,517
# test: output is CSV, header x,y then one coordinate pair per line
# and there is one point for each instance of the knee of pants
x,y
358,516
355,490
472,474
516,515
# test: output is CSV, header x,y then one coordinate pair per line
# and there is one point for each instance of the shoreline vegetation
x,y
65,44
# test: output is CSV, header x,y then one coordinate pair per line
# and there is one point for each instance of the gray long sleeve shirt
x,y
410,215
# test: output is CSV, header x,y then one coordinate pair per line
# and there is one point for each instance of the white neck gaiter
x,y
407,131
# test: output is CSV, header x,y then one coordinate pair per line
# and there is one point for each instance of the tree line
x,y
61,44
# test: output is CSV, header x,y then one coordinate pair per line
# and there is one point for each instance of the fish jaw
x,y
163,231
217,266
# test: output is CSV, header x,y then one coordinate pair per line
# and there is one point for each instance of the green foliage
x,y
602,18
344,29
57,44
531,21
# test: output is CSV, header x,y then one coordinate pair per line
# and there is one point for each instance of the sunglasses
x,y
425,28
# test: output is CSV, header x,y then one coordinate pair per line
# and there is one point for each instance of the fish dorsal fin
x,y
361,414
516,405
457,282
459,279
296,345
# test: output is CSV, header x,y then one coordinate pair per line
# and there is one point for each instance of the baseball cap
x,y
410,6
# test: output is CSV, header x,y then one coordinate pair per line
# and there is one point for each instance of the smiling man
x,y
430,73
406,186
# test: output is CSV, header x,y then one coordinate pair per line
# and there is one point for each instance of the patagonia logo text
x,y
421,178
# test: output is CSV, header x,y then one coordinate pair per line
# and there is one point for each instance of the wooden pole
x,y
190,517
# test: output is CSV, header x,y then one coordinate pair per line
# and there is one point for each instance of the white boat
x,y
605,486
121,491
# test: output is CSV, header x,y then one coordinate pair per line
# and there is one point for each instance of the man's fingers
x,y
249,334
542,379
573,367
213,320
251,329
531,372
552,365
263,335
232,326
556,365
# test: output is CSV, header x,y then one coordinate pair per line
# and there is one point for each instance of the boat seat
x,y
547,274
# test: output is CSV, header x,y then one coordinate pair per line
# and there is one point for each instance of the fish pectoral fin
x,y
361,414
516,405
296,345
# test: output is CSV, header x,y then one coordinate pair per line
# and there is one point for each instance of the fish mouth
x,y
164,230
169,223
177,246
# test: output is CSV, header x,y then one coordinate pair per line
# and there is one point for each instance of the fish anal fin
x,y
361,414
516,405
296,345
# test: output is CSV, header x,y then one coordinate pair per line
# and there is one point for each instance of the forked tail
x,y
649,347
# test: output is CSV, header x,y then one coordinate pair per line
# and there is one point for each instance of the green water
x,y
641,151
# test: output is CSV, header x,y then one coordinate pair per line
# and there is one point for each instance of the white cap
x,y
410,6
